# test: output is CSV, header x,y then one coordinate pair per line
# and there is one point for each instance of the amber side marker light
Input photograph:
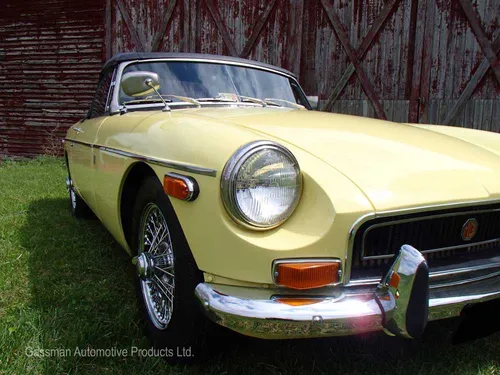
x,y
180,187
307,275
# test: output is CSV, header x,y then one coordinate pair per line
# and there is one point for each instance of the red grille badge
x,y
469,229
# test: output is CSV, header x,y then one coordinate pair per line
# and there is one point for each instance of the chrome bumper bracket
x,y
403,294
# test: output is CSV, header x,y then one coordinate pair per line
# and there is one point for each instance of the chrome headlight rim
x,y
228,181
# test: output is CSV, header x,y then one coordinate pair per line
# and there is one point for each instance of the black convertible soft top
x,y
132,56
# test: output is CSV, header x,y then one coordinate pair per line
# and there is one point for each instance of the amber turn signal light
x,y
298,301
180,187
307,275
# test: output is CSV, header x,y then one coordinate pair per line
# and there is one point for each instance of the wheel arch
x,y
66,160
132,181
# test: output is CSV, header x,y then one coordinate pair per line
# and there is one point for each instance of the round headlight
x,y
261,185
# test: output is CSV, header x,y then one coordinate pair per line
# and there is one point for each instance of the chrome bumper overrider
x,y
339,311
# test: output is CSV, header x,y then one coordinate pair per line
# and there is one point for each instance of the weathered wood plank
x,y
257,29
495,116
221,27
185,16
365,45
365,82
50,60
167,18
107,21
483,41
197,32
296,30
130,25
474,81
424,86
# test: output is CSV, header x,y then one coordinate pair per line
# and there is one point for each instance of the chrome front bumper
x,y
338,311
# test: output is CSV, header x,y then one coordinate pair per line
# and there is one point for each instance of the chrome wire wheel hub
x,y
144,265
155,266
73,198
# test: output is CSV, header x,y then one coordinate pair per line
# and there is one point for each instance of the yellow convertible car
x,y
242,206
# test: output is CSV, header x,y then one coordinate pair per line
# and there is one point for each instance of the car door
x,y
83,137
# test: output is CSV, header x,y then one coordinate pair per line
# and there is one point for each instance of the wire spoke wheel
x,y
79,208
155,266
167,274
72,196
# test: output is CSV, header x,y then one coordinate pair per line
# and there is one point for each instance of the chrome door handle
x,y
78,130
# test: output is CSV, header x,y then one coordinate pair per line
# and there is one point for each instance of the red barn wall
x,y
50,56
426,61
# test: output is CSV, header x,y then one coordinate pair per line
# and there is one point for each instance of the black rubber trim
x,y
418,306
132,56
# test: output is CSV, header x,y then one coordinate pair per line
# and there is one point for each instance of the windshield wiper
x,y
218,100
164,99
228,97
146,101
124,109
272,100
232,98
253,100
185,99
223,97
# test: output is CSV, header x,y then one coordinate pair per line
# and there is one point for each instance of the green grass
x,y
67,284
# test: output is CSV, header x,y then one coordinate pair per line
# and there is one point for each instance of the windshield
x,y
218,82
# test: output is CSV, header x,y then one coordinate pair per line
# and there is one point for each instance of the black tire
x,y
185,332
79,209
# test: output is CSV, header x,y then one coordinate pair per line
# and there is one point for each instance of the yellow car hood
x,y
394,165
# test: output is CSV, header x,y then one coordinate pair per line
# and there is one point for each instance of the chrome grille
x,y
437,234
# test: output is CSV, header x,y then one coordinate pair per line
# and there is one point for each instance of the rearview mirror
x,y
140,83
313,101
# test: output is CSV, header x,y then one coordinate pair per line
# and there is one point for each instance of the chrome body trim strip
x,y
431,251
338,312
467,281
481,267
375,215
439,274
164,163
77,142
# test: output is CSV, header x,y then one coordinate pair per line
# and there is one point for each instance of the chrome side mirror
x,y
140,83
313,101
403,294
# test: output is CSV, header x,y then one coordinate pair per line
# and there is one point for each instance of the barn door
x,y
147,26
269,31
427,61
458,75
403,60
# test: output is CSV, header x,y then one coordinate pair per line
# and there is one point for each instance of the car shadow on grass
x,y
81,283
82,287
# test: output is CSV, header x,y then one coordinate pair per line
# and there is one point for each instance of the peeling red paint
x,y
422,58
50,57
